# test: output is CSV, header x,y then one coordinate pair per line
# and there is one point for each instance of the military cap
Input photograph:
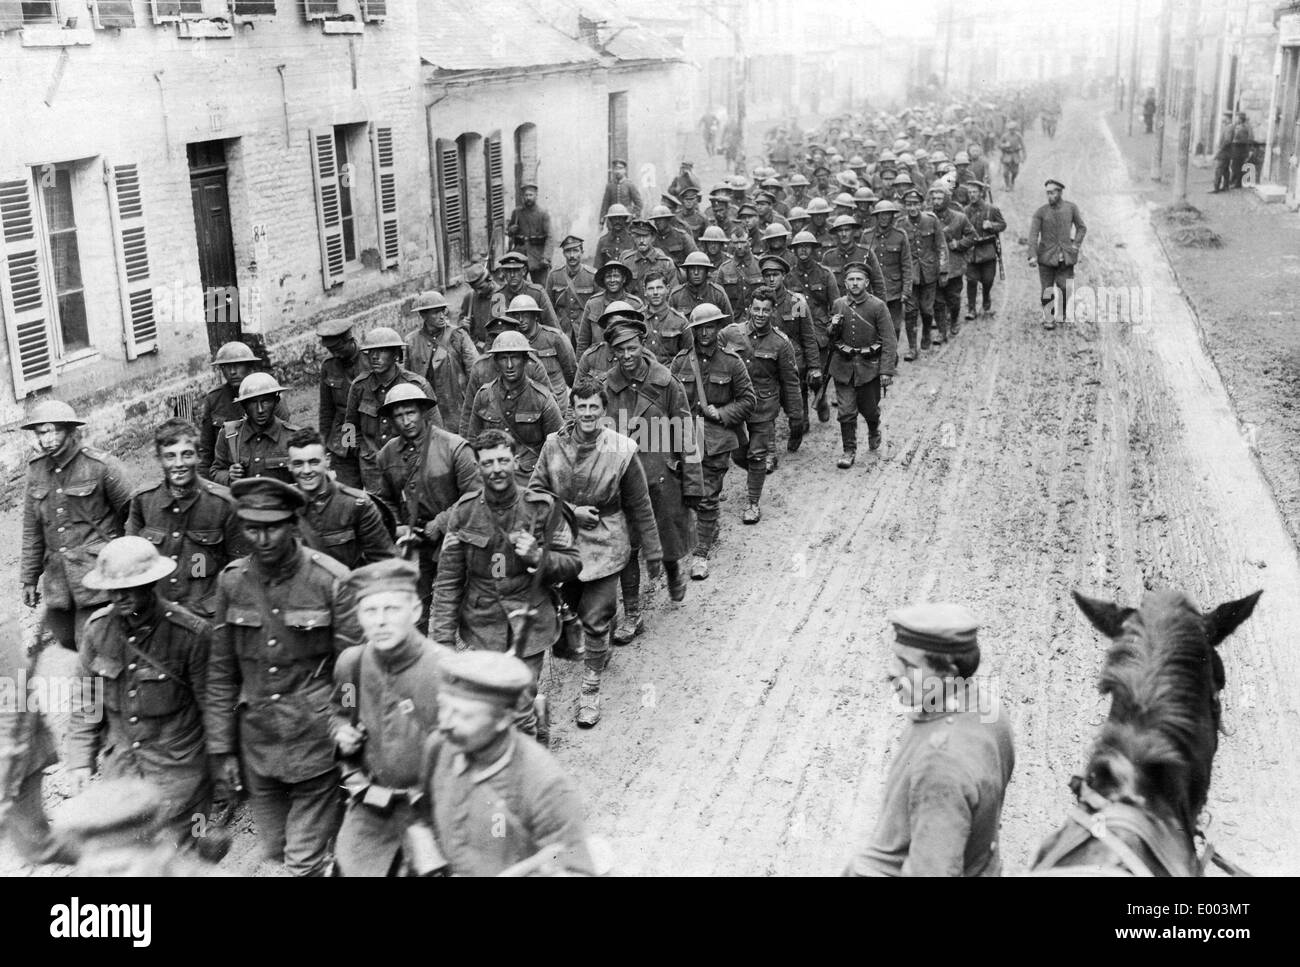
x,y
746,209
799,181
266,500
128,562
619,267
858,264
713,233
688,190
976,184
765,196
720,193
618,163
406,393
624,328
819,206
844,200
571,241
804,238
528,184
660,211
844,221
1052,181
913,193
617,211
111,807
699,259
258,384
940,627
513,260
797,214
52,411
489,676
642,226
381,337
773,262
503,323
331,328
430,299
510,342
704,314
390,574
522,303
476,273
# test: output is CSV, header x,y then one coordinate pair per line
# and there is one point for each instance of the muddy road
x,y
749,729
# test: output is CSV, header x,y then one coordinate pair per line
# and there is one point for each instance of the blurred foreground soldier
x,y
339,520
1056,233
143,678
385,707
442,353
384,347
281,619
982,263
236,361
495,801
118,828
863,358
769,357
482,302
959,236
515,403
423,473
257,445
27,749
571,286
620,191
719,392
929,269
943,797
506,547
529,231
594,470
649,405
76,502
337,373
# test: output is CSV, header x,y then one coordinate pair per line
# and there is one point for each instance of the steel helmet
x,y
52,411
720,193
922,155
699,259
804,238
901,145
888,157
775,230
622,268
128,562
885,207
510,342
847,179
523,303
797,214
617,211
381,337
430,299
234,352
939,157
799,181
258,384
907,158
870,143
660,211
844,221
961,158
712,234
705,312
903,179
499,324
818,206
407,393
857,162
1013,124
863,194
621,309
844,199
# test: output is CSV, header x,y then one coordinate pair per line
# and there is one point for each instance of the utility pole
x,y
1119,41
947,43
1162,88
1189,99
1133,65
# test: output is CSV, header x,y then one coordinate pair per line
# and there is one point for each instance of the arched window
x,y
525,158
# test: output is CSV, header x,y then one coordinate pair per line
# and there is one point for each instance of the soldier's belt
x,y
871,352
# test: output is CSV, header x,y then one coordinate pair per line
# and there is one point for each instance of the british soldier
x,y
236,361
982,263
959,236
790,314
571,286
529,231
893,251
929,268
513,267
515,403
617,239
442,353
818,285
863,358
697,288
644,256
337,520
550,346
1056,233
674,242
337,373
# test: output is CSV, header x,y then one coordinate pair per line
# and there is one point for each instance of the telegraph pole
x,y
1133,65
1119,46
947,43
1162,88
1189,101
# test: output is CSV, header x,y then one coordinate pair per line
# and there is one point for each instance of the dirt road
x,y
748,731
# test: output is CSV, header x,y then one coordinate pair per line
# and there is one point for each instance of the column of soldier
x,y
256,619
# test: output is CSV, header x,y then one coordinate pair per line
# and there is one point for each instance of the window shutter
x,y
22,290
381,144
451,208
252,8
140,326
320,9
114,13
11,14
329,213
375,10
170,11
496,195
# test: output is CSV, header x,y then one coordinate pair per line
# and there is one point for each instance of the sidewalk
x,y
1244,296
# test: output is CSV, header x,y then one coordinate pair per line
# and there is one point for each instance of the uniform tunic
x,y
529,229
727,386
554,351
676,244
217,408
863,323
445,360
421,479
344,523
1050,233
484,372
336,378
943,797
372,428
666,332
685,297
738,279
770,359
477,310
819,286
570,295
263,453
526,411
539,295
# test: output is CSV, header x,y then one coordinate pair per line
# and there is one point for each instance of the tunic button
x,y
58,470
275,611
270,641
273,669
131,693
59,491
133,719
176,533
275,697
130,668
176,510
174,580
62,529
135,745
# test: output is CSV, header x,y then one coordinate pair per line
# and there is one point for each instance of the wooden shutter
x,y
253,8
11,14
320,9
451,205
114,13
169,11
374,10
22,290
126,208
381,146
496,195
329,211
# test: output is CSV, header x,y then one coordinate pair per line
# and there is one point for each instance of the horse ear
x,y
1106,616
1224,619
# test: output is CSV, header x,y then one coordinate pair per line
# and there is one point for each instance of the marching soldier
x,y
143,678
929,269
478,761
423,472
337,373
76,502
846,251
337,520
721,213
982,264
790,314
776,238
943,798
770,359
529,231
713,242
740,274
893,251
515,282
674,242
550,347
482,303
257,445
817,284
191,521
571,286
620,192
613,279
863,358
513,402
616,240
384,347
819,214
690,217
697,289
218,407
599,357
644,256
1055,234
719,390
666,333
798,196
486,369
384,708
442,353
960,238
281,619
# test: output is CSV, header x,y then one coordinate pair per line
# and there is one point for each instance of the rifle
x,y
997,245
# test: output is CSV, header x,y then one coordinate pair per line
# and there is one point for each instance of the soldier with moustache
x,y
673,241
571,286
644,256
616,240
740,274
818,285
863,359
790,314
690,217
893,250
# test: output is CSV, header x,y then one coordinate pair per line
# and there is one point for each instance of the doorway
x,y
210,195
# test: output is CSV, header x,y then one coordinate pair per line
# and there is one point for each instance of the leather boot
x,y
629,626
849,435
589,696
676,580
